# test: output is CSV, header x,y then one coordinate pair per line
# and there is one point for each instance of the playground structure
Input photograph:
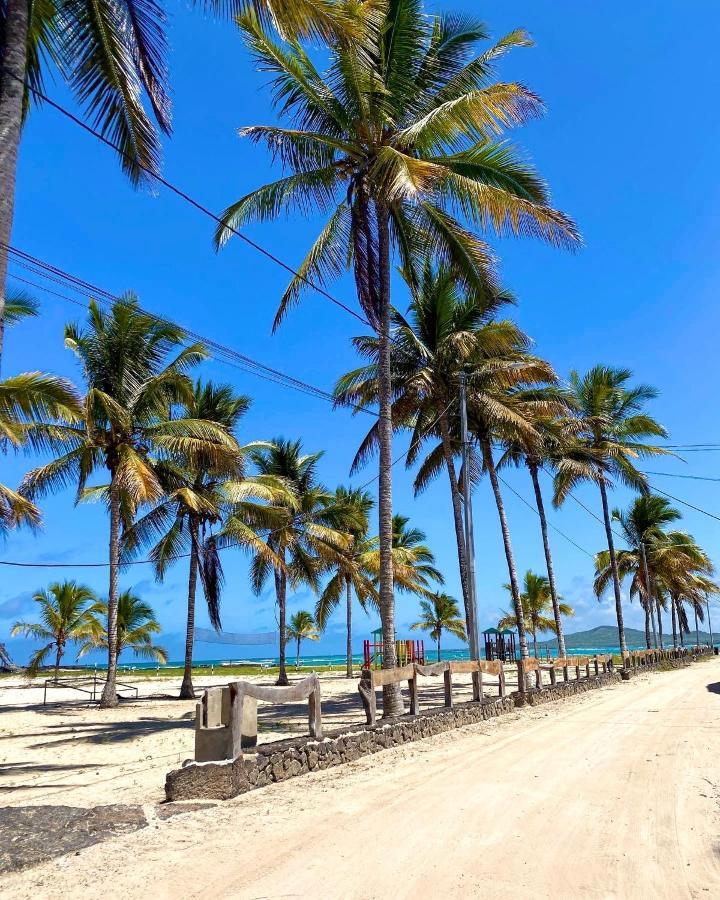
x,y
406,651
500,645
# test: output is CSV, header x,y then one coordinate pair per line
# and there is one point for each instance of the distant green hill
x,y
607,636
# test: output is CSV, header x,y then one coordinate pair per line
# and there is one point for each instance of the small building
x,y
500,644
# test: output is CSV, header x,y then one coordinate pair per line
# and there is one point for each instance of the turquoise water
x,y
320,661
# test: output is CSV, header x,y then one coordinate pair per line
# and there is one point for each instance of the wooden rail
x,y
373,679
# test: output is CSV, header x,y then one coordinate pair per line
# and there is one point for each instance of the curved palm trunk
x,y
532,466
60,648
348,607
392,697
281,594
659,622
14,59
514,585
187,692
673,617
109,695
614,568
457,518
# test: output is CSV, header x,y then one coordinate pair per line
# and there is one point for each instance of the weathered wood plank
x,y
380,677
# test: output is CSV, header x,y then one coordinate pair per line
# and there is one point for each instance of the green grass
x,y
198,672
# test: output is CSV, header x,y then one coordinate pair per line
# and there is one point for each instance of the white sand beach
x,y
614,794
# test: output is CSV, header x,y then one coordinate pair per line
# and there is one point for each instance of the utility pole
x,y
648,592
472,625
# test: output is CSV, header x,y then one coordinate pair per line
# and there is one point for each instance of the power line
x,y
299,520
677,475
685,503
186,197
537,513
222,352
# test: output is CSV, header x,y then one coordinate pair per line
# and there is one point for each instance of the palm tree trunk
x,y
393,704
514,585
680,628
659,622
14,60
647,626
457,518
58,656
535,646
187,692
348,605
614,568
697,629
652,622
109,694
673,616
548,557
297,657
281,594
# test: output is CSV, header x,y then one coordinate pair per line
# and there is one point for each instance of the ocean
x,y
322,661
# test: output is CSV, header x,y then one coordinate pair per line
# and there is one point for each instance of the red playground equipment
x,y
408,651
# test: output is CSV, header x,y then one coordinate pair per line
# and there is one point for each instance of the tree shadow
x,y
109,732
714,688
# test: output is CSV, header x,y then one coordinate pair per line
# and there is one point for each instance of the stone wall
x,y
564,689
280,760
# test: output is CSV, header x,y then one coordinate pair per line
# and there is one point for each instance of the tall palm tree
x,y
683,571
197,491
299,529
31,406
609,435
356,567
440,613
302,627
536,450
643,527
432,343
68,613
113,56
537,602
393,141
414,569
132,380
136,626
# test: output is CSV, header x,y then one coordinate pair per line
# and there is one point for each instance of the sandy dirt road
x,y
613,795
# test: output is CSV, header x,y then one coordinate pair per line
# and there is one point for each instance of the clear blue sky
x,y
630,148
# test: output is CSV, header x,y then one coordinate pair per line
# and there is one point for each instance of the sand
x,y
70,751
613,794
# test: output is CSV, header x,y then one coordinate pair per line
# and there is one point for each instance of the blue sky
x,y
629,146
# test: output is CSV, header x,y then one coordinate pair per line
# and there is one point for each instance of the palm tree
x,y
643,529
683,571
440,613
432,344
609,435
302,628
536,600
356,567
110,54
113,55
536,449
197,492
301,538
68,612
31,404
132,381
414,569
136,625
394,140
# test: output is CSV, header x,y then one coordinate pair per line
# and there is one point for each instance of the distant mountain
x,y
607,636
